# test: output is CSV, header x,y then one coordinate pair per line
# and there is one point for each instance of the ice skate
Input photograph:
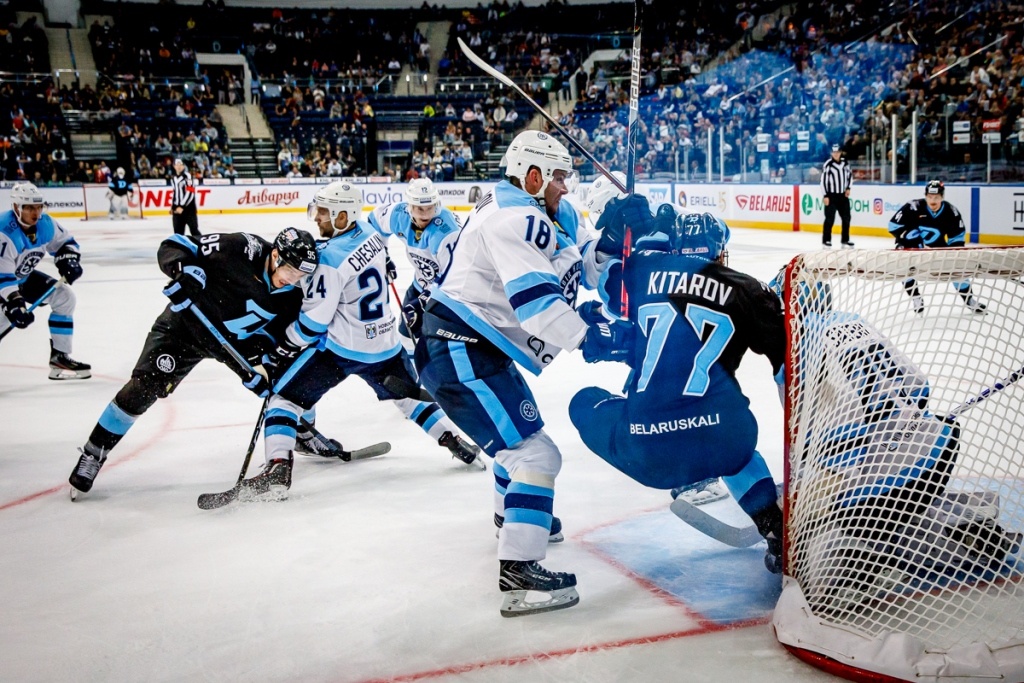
x,y
974,305
701,492
517,578
63,366
847,245
769,525
271,484
84,474
554,535
307,443
462,450
918,303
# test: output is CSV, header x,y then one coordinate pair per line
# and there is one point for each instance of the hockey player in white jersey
x,y
508,297
27,234
429,232
346,327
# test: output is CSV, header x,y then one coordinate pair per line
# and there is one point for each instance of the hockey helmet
x,y
702,235
297,248
25,194
339,196
423,200
601,192
935,187
119,172
534,148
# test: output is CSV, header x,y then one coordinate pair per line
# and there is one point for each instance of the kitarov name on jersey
x,y
693,284
675,425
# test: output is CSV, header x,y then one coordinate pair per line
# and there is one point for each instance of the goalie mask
x,y
701,235
337,197
532,148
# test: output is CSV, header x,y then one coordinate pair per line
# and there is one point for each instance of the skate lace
x,y
88,466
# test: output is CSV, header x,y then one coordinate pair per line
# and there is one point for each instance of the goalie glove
x,y
68,264
17,313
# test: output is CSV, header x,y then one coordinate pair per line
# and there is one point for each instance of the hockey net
x,y
904,501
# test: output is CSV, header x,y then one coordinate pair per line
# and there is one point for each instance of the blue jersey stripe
x,y
115,420
488,399
183,241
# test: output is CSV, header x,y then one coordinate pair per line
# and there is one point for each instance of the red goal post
x,y
904,501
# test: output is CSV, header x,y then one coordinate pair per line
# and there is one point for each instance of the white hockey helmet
x,y
535,148
421,192
601,192
336,197
23,194
120,172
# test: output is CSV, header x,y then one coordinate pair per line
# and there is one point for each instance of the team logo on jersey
x,y
371,330
571,283
528,411
253,248
428,268
166,363
26,267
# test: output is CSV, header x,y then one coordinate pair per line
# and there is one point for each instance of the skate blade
x,y
703,497
62,373
478,464
516,603
75,493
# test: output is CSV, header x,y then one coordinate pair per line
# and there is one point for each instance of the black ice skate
x,y
517,578
85,472
63,366
974,305
271,484
769,524
461,449
308,443
554,536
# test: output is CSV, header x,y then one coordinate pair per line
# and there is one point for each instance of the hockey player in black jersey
x,y
244,285
684,417
934,223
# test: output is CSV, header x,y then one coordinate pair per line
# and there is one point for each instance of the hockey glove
x,y
186,287
610,341
592,312
412,312
68,265
633,212
391,270
258,384
17,313
281,357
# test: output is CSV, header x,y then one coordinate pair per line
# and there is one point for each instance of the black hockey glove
x,y
392,271
609,341
413,314
186,287
68,264
592,312
17,313
258,384
281,357
633,212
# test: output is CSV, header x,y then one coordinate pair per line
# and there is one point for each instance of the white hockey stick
x,y
996,387
737,537
502,78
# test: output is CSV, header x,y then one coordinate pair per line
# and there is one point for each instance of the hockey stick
x,y
359,454
632,131
502,78
211,501
996,387
36,304
737,537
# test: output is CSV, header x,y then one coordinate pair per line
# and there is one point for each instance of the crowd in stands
x,y
767,89
23,48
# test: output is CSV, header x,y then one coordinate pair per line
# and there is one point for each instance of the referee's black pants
x,y
188,217
841,203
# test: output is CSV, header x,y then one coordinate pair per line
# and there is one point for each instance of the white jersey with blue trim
x,y
346,308
19,255
515,274
430,249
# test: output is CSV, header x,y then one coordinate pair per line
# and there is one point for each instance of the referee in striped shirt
x,y
836,178
183,201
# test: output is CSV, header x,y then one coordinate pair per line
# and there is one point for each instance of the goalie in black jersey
x,y
244,285
934,223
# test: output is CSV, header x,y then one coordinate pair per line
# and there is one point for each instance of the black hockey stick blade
x,y
212,501
737,537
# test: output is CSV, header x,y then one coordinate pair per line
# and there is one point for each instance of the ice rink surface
x,y
379,570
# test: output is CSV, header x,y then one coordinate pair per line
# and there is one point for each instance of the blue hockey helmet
x,y
701,234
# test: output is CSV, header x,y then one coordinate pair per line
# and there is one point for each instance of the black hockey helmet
x,y
935,187
297,248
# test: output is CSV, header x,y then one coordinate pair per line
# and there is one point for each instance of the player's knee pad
x,y
140,393
62,301
536,460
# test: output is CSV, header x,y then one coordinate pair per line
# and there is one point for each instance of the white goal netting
x,y
905,467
